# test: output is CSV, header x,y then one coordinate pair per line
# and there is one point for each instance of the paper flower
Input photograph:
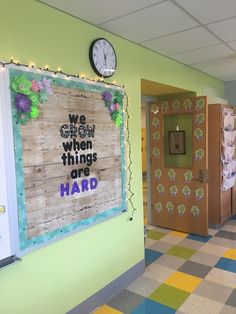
x,y
34,98
45,85
35,86
22,85
43,97
112,108
117,106
107,96
34,112
23,103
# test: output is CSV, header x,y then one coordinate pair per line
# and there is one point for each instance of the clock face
x,y
102,57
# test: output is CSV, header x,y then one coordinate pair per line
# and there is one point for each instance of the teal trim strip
x,y
26,243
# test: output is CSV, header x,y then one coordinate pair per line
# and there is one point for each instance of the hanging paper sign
x,y
69,152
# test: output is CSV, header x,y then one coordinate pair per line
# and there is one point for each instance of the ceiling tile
x,y
204,54
225,69
96,14
151,22
207,11
226,30
232,44
183,41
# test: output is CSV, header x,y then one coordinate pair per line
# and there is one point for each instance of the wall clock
x,y
102,57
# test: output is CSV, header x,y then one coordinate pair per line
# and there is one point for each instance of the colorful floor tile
x,y
185,274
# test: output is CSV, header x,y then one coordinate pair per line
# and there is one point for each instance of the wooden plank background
x,y
44,171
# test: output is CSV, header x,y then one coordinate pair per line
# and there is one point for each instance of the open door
x,y
178,139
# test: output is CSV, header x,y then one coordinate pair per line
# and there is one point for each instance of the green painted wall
x,y
58,277
184,122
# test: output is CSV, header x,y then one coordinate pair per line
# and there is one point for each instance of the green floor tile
x,y
155,235
169,296
181,252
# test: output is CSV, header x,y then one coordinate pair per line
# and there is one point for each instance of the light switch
x,y
2,209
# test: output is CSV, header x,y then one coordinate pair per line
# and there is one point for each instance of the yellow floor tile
x,y
231,253
105,309
178,234
183,281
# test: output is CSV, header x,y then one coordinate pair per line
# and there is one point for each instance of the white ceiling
x,y
199,33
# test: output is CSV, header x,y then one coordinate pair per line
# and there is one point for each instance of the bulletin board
x,y
69,146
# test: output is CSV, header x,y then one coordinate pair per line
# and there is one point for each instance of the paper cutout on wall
x,y
199,154
155,122
200,104
181,209
158,174
186,191
171,174
200,118
188,176
156,152
198,133
176,105
170,207
187,104
173,190
164,106
158,207
195,211
160,189
154,108
156,136
199,194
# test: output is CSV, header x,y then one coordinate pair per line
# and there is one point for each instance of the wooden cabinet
x,y
219,202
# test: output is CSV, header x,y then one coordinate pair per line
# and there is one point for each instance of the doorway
x,y
151,93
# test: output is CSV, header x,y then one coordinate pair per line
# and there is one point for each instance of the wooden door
x,y
178,139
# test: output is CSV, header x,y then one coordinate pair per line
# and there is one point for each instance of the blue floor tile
x,y
152,307
199,238
226,264
151,256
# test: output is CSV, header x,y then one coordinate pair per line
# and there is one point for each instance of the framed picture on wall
x,y
177,142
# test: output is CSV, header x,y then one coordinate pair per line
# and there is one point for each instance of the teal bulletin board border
x,y
24,242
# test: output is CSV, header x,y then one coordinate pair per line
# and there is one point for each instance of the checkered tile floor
x,y
184,274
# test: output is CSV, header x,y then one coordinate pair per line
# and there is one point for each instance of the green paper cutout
x,y
173,190
160,189
158,207
158,173
176,105
200,118
187,104
200,104
195,211
154,108
156,152
156,136
186,191
171,174
164,106
198,133
155,122
188,176
199,193
170,207
199,154
181,209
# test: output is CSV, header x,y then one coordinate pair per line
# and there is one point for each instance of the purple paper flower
x,y
45,85
112,108
23,103
107,96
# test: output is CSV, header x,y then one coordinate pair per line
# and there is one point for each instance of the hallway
x,y
184,273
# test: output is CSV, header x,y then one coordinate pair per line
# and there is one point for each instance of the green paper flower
x,y
23,118
181,209
119,120
118,97
34,112
187,104
173,190
200,104
195,211
170,207
158,207
156,152
34,98
199,193
198,133
199,154
186,191
156,136
200,118
188,176
160,189
155,122
22,85
158,174
171,174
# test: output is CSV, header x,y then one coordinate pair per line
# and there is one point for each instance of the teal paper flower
x,y
22,85
43,96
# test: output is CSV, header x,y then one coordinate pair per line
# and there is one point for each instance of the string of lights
x,y
101,80
130,191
